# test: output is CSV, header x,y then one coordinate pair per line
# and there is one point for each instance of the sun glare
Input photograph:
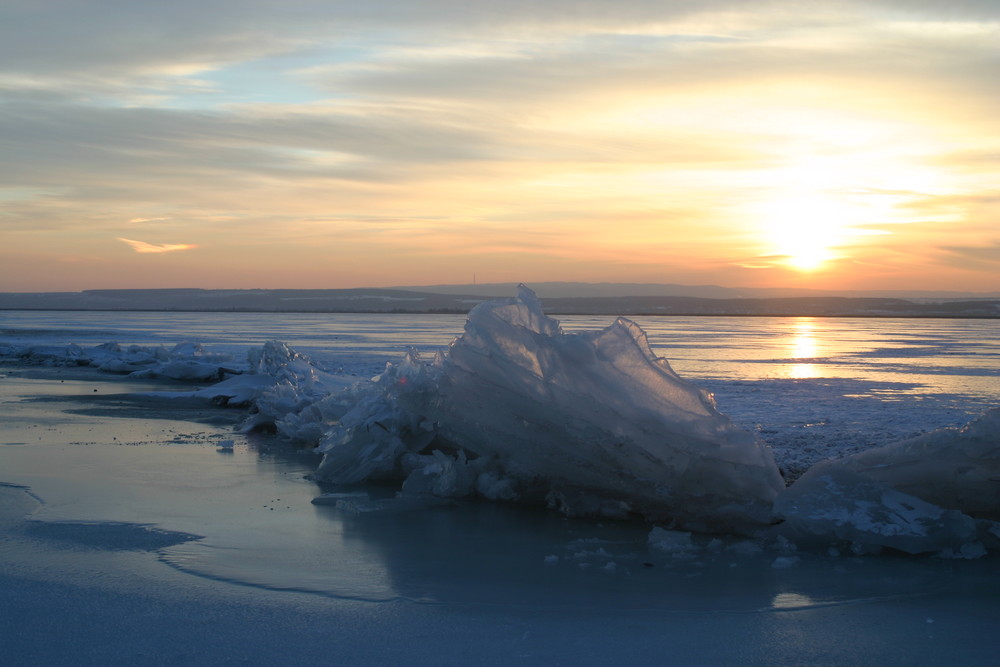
x,y
804,221
815,207
803,231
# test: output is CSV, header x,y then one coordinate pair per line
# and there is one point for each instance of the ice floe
x,y
937,493
955,468
831,506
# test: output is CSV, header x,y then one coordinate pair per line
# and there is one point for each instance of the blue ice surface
x,y
501,604
274,579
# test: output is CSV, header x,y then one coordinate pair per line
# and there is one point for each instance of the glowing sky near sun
x,y
243,144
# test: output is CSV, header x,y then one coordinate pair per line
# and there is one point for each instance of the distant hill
x,y
546,290
255,300
605,299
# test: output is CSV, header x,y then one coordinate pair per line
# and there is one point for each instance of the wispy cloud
x,y
138,220
143,247
969,257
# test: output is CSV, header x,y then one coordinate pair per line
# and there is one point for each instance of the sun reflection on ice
x,y
791,601
802,345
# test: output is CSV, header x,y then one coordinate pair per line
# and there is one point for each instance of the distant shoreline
x,y
402,301
932,316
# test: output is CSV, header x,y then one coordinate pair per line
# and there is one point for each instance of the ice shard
x,y
595,422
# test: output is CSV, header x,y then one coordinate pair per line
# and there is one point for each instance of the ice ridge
x,y
591,423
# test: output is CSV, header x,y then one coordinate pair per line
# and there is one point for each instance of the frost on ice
x,y
593,423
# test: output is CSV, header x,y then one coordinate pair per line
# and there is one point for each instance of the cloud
x,y
428,128
143,247
970,256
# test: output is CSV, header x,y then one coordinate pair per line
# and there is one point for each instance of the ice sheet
x,y
454,584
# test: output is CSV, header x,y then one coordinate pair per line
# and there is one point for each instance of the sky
x,y
326,144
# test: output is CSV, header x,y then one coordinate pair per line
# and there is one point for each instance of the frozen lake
x,y
133,498
813,387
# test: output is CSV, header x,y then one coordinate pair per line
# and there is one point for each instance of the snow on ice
x,y
589,423
185,361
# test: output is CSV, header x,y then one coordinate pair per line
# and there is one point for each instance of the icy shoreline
x,y
590,423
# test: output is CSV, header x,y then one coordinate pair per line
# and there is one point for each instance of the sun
x,y
803,231
817,209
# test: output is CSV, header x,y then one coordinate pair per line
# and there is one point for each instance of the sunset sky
x,y
325,144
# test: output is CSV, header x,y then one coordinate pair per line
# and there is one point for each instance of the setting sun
x,y
802,233
817,210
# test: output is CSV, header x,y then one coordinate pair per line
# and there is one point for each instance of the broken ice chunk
x,y
831,505
954,468
593,416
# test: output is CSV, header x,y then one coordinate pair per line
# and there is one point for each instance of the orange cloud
x,y
143,247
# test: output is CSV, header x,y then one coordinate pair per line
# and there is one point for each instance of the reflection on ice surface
x,y
791,601
804,348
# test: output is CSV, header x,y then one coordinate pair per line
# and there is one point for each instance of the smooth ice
x,y
158,546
